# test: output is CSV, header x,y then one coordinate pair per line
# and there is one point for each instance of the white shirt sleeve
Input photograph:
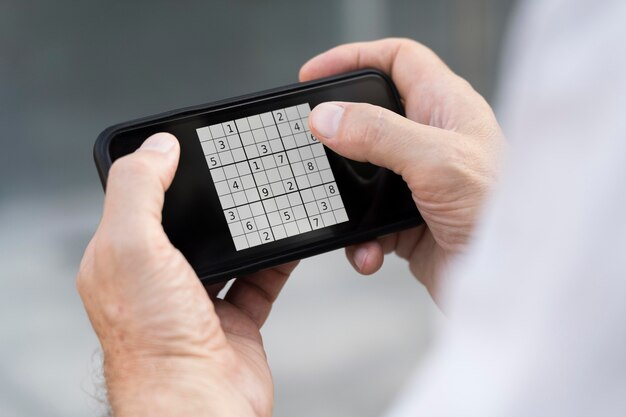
x,y
537,307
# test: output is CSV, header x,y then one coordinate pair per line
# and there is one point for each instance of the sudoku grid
x,y
272,176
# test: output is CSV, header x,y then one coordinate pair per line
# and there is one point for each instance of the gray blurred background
x,y
339,344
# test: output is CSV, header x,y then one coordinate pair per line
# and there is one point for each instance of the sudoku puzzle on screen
x,y
272,176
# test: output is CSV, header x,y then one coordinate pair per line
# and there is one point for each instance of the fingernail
x,y
160,142
325,118
360,256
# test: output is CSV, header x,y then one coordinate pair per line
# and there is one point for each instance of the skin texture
x,y
172,347
447,149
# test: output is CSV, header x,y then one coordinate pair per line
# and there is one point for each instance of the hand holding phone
x,y
255,188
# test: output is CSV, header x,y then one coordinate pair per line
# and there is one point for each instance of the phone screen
x,y
272,176
255,188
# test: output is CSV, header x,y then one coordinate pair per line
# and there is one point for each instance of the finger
x,y
389,242
136,187
373,134
366,258
254,294
423,80
402,59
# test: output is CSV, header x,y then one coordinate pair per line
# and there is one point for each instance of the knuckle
x,y
85,270
370,126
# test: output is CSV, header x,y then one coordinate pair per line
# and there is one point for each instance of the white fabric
x,y
537,308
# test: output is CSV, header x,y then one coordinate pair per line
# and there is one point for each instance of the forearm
x,y
171,388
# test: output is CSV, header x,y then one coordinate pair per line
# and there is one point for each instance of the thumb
x,y
137,183
369,133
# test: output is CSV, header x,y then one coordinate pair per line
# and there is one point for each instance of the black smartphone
x,y
254,188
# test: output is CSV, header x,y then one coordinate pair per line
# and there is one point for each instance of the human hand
x,y
447,149
171,347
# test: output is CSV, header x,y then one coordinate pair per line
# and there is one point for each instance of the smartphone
x,y
255,189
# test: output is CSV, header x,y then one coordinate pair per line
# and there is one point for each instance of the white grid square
x,y
274,218
229,128
217,131
273,175
270,205
259,135
236,229
267,119
305,153
296,126
218,174
242,125
303,181
276,145
327,175
252,195
271,132
227,201
289,142
292,229
255,122
341,215
248,182
282,202
226,157
247,138
285,172
204,133
301,139
284,129
292,113
304,225
231,171
281,159
257,209
304,110
307,195
240,198
278,188
315,178
251,151
279,116
318,150
222,188
260,178
233,141
253,239
208,147
299,213
265,191
243,168
240,242
238,155
279,232
213,161
244,212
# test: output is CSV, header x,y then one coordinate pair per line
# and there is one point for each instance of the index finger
x,y
430,89
255,294
406,61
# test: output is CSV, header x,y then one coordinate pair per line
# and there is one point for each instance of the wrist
x,y
169,386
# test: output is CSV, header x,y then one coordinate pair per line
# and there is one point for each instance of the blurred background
x,y
339,344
